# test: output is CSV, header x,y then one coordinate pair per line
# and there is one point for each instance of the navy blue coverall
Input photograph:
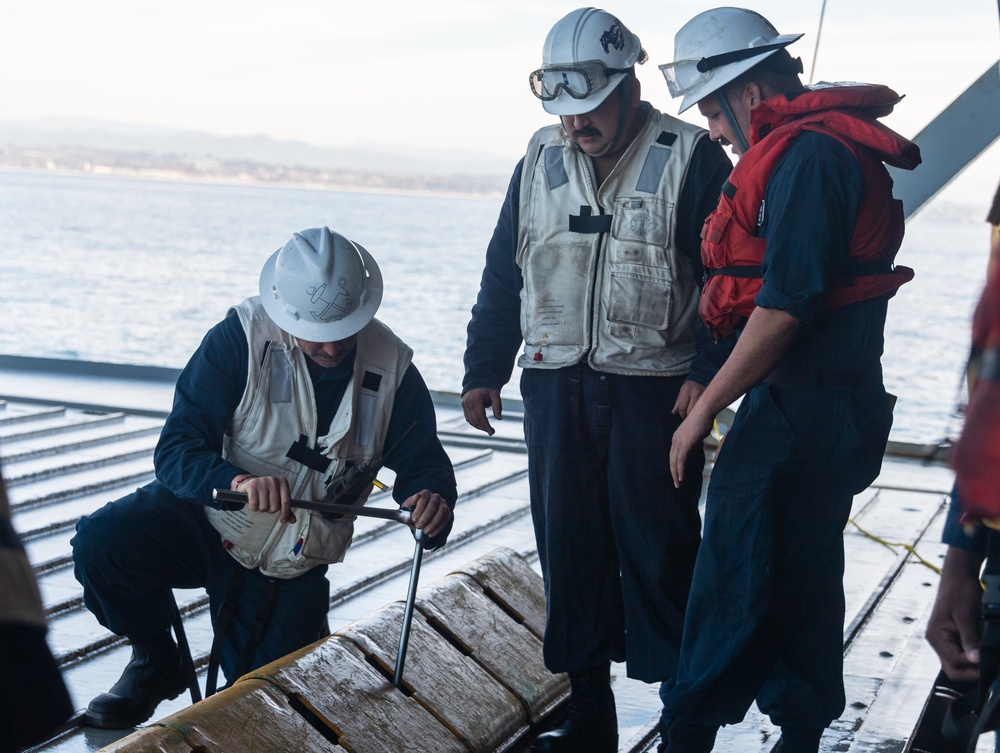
x,y
130,553
616,541
766,614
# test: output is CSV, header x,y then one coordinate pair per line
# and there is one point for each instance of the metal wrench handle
x,y
400,516
411,595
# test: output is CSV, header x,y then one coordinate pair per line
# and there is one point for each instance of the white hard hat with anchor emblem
x,y
586,55
321,286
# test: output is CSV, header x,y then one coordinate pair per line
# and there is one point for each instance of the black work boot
x,y
685,737
154,674
796,740
591,722
662,729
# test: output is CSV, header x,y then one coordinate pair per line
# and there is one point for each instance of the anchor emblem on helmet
x,y
613,37
336,309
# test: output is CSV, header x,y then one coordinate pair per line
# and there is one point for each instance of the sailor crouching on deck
x,y
293,388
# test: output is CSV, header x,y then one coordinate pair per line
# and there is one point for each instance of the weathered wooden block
x,y
152,739
368,715
253,717
453,687
507,649
506,577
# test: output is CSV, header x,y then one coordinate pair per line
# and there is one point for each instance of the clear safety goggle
x,y
684,75
579,80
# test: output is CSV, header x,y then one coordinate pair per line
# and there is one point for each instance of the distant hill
x,y
131,138
103,148
115,148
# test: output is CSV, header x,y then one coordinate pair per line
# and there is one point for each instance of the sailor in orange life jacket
x,y
807,208
954,627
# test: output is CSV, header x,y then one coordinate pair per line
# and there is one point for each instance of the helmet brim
x,y
728,73
317,330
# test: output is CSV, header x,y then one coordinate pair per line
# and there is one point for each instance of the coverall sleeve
x,y
810,209
494,332
188,457
420,461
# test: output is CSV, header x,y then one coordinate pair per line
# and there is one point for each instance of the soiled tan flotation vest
x,y
603,278
272,432
732,252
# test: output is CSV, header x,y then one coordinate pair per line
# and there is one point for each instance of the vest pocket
x,y
642,220
640,300
325,541
556,293
714,229
640,283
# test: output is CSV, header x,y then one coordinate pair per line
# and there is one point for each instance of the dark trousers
x,y
130,554
766,615
617,542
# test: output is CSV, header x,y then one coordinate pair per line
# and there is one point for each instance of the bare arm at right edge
x,y
953,629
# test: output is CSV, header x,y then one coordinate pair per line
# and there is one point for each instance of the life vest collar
x,y
820,102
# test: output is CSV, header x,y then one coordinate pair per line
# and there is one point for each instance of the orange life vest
x,y
732,252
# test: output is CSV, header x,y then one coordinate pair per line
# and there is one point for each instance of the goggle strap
x,y
724,58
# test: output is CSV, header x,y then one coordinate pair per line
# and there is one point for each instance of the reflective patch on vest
x,y
280,379
652,170
555,170
364,419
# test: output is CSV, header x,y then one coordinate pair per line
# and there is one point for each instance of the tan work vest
x,y
603,278
278,409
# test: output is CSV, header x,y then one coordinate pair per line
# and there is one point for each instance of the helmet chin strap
x,y
731,119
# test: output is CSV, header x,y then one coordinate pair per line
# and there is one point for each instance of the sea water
x,y
124,270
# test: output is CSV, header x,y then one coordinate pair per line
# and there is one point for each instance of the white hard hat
x,y
321,286
586,55
715,47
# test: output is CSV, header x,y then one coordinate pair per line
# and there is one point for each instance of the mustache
x,y
585,132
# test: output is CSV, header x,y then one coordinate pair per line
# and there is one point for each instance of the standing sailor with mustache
x,y
594,264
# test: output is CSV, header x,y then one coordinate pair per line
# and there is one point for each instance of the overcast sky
x,y
438,73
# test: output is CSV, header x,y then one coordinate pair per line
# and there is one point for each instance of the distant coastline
x,y
177,167
151,165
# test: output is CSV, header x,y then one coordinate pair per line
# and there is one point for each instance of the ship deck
x,y
75,435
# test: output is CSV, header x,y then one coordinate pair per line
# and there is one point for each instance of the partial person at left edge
x,y
290,391
33,707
